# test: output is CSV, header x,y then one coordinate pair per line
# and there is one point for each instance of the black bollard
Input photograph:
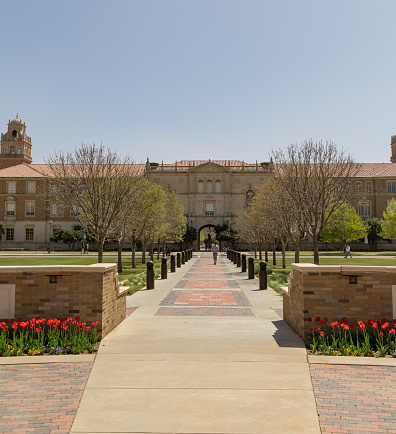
x,y
173,264
183,257
251,268
263,275
243,263
238,259
228,253
234,259
164,268
178,260
150,275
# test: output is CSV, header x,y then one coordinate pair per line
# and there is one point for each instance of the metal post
x,y
263,275
234,259
238,259
178,260
251,268
164,268
243,263
173,264
150,275
183,257
228,253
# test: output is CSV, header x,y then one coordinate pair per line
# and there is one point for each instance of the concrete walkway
x,y
205,352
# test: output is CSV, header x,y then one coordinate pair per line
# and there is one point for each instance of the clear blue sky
x,y
200,79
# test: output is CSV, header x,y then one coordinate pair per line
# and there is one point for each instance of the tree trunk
x,y
134,254
266,253
163,248
273,254
119,261
158,249
255,251
260,252
283,254
100,251
152,250
297,253
315,250
144,252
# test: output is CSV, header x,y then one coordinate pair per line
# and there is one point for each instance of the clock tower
x,y
15,145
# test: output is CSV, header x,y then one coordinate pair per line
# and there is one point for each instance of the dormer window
x,y
14,133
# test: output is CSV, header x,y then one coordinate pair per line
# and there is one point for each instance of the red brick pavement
x,y
41,398
206,298
207,284
219,275
355,399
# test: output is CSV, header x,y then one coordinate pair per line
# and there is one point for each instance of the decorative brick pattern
x,y
41,398
203,311
207,284
355,399
206,298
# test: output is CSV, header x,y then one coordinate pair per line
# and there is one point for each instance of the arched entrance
x,y
206,237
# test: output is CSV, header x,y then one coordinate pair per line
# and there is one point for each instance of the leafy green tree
x,y
344,225
226,233
389,222
68,236
189,237
374,228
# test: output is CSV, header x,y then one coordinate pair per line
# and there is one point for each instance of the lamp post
x,y
49,235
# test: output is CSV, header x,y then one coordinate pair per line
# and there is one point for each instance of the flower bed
x,y
39,336
373,339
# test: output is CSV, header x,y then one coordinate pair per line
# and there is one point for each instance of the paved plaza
x,y
204,352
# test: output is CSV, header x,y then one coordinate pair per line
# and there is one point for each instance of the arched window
x,y
218,186
19,151
14,133
358,187
200,186
349,188
209,186
249,197
338,188
369,187
12,150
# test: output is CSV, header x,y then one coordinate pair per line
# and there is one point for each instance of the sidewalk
x,y
205,352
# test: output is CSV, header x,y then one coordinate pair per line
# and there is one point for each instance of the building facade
x,y
211,192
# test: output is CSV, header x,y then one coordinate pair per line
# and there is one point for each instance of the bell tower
x,y
15,145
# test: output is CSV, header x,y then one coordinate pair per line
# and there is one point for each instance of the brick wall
x,y
91,292
356,292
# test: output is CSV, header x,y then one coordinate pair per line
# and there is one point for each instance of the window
x,y
19,151
12,150
369,187
30,207
218,186
11,208
56,210
209,187
358,187
364,209
14,133
209,208
75,210
29,234
391,187
200,186
11,187
338,188
9,234
349,188
31,187
52,189
249,197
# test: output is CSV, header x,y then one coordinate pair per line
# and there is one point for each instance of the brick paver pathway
x,y
216,292
41,398
355,399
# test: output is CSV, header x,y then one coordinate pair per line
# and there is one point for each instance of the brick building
x,y
211,192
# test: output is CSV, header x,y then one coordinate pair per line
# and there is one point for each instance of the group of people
x,y
84,248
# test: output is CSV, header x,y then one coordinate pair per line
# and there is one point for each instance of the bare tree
x,y
95,182
315,178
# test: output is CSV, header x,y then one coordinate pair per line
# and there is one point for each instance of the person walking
x,y
344,249
348,251
215,250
